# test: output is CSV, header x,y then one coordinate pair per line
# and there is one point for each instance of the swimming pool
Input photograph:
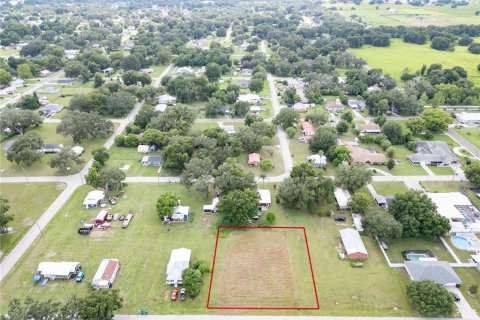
x,y
461,242
415,256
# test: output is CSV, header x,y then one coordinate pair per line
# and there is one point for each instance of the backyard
x,y
27,203
389,188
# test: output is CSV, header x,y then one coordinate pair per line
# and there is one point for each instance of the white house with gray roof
x,y
437,271
434,153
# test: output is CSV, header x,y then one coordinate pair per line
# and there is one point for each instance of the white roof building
x,y
180,213
211,208
93,199
58,270
353,244
265,197
317,160
77,150
446,204
249,97
468,117
161,107
143,148
106,273
179,261
342,196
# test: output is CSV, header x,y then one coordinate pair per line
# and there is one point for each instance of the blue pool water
x,y
461,242
415,256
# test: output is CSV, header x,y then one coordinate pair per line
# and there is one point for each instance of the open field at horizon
x,y
413,56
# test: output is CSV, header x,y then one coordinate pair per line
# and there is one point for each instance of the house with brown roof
x,y
253,159
307,128
362,155
334,106
369,128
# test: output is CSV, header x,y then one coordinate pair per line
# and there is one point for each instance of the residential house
x,y
307,128
179,261
357,104
228,129
253,159
180,213
342,197
44,73
50,109
243,83
246,72
437,271
249,97
147,70
143,148
77,150
265,198
107,70
317,160
58,270
361,155
334,106
106,273
353,244
70,54
301,107
374,88
434,153
167,99
369,128
93,199
184,70
51,148
255,109
154,161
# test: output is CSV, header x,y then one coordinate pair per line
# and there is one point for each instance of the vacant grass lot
x,y
389,188
469,276
413,56
451,186
395,248
411,15
27,203
471,134
144,249
48,132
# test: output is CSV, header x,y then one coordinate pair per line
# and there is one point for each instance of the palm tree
x,y
263,176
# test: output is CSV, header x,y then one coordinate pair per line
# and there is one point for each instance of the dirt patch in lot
x,y
256,269
100,234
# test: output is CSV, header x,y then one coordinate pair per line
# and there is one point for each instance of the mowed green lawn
x,y
390,188
48,132
144,249
413,56
471,134
395,248
411,15
27,203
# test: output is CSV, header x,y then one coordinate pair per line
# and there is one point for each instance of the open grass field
x,y
262,268
471,134
48,132
144,249
469,276
8,52
157,70
452,186
413,56
395,248
68,91
389,188
27,203
411,15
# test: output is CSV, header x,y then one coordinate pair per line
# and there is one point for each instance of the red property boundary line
x,y
317,307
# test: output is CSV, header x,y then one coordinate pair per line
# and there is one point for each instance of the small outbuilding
x,y
101,217
93,199
265,198
106,274
179,261
253,159
143,148
155,161
353,244
180,213
58,270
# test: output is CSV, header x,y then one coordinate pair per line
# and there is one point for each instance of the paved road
x,y
464,142
73,182
30,90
